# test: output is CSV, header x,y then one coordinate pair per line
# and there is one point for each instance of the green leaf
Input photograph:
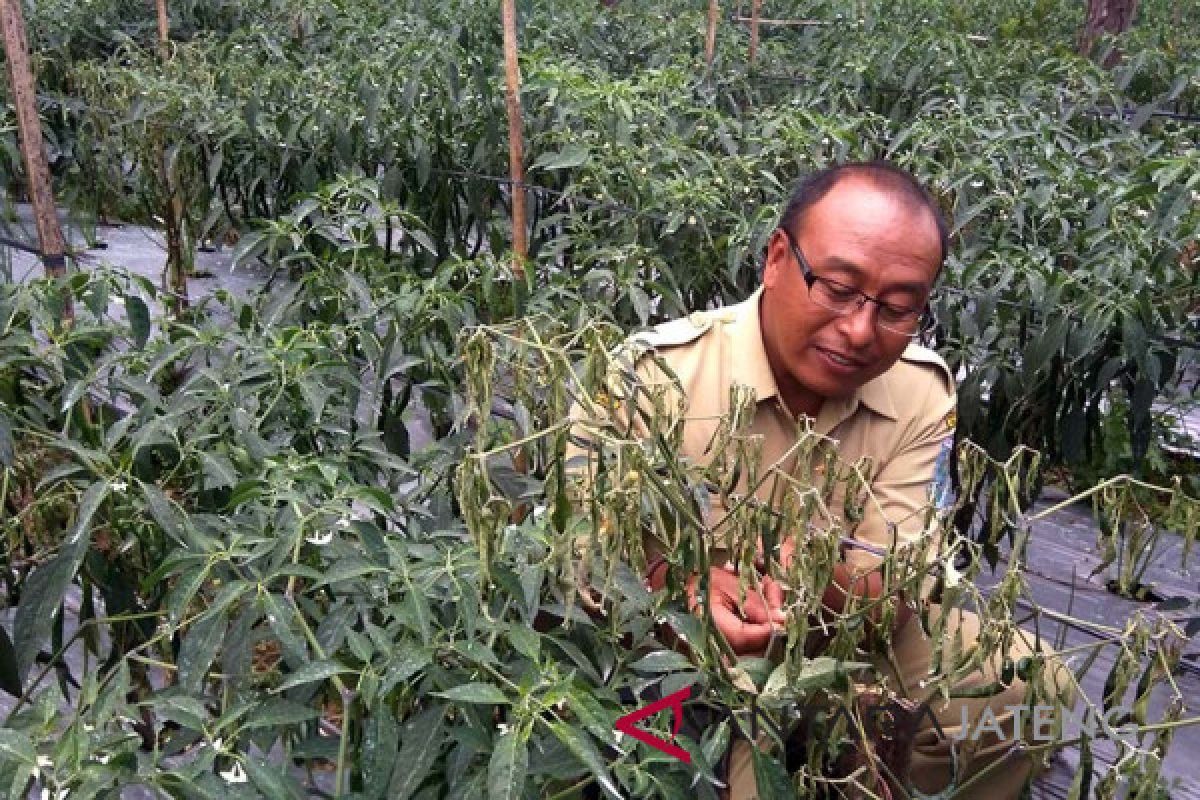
x,y
409,662
380,745
72,395
420,741
43,592
199,648
1142,115
508,766
771,778
347,568
525,640
10,676
281,300
474,693
662,661
218,471
422,238
8,454
187,711
582,747
573,155
96,297
641,303
185,588
246,491
160,508
139,319
373,498
17,746
531,587
821,672
272,780
277,711
1039,352
418,608
312,672
88,505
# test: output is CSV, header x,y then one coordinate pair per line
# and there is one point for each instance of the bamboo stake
x,y
755,13
516,148
710,36
29,132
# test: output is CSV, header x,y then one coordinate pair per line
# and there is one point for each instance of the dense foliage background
x,y
239,504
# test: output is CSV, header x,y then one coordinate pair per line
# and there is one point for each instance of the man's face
x,y
861,236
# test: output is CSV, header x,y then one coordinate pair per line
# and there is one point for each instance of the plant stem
x,y
347,706
1070,501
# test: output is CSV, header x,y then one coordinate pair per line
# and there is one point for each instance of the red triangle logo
x,y
627,724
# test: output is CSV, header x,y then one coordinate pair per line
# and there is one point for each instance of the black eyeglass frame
x,y
924,315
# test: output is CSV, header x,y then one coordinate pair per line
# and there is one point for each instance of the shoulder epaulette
x,y
674,333
923,355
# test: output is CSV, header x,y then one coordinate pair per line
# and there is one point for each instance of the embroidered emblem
x,y
941,490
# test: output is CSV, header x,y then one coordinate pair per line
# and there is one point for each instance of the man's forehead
x,y
853,195
858,216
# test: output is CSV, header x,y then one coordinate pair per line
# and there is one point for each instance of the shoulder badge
x,y
674,333
923,355
941,488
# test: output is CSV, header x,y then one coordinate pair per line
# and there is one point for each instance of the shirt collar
x,y
750,366
748,355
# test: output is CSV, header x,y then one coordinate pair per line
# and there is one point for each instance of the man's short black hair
x,y
882,174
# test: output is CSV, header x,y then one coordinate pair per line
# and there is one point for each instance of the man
x,y
829,335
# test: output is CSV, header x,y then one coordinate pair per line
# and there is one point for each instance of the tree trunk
x,y
1106,16
516,144
710,36
755,13
29,132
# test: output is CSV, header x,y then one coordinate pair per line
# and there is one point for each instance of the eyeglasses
x,y
842,299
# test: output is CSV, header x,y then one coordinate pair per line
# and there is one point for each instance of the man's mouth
x,y
841,360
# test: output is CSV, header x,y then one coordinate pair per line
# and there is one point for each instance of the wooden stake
x,y
710,36
178,265
1106,16
785,22
164,25
755,13
29,132
516,144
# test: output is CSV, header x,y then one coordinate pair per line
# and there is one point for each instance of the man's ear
x,y
777,255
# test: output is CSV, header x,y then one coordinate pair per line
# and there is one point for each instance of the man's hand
x,y
867,587
747,627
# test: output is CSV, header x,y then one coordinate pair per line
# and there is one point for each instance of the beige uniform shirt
x,y
902,420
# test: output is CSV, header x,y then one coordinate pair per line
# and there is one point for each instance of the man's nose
x,y
858,325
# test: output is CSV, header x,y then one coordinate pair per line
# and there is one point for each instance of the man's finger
x,y
774,594
744,637
764,604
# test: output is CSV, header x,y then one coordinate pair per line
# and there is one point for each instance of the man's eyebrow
x,y
842,265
